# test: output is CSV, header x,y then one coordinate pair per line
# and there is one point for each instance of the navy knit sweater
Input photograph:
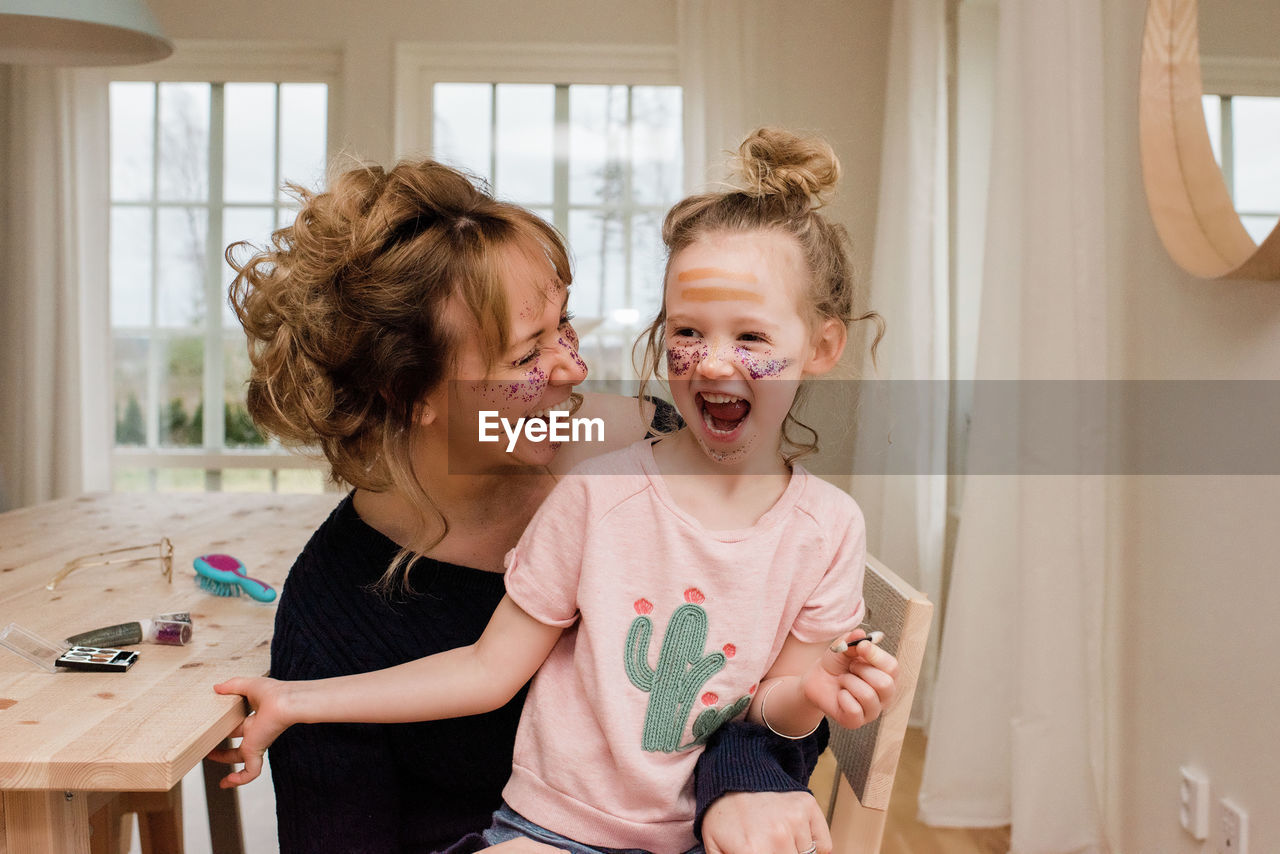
x,y
422,787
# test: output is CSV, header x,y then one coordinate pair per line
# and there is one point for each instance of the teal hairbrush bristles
x,y
225,576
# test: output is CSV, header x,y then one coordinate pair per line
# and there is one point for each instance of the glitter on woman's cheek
x,y
523,391
531,389
570,344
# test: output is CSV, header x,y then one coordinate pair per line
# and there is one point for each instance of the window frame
x,y
1225,78
211,61
419,66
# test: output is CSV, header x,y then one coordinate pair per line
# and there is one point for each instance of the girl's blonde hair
x,y
782,180
356,311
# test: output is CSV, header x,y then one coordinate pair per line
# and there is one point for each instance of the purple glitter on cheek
x,y
682,359
759,366
531,389
523,391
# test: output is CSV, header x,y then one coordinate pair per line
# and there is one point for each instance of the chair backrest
x,y
867,757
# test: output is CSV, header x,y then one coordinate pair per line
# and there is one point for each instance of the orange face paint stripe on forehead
x,y
704,293
698,273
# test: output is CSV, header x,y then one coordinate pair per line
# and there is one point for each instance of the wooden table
x,y
68,737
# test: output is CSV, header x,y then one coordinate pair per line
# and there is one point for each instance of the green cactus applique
x,y
674,684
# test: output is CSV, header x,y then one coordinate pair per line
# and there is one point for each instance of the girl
x,y
667,588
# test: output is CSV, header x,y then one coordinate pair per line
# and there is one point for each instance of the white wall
x,y
821,65
1247,28
1195,558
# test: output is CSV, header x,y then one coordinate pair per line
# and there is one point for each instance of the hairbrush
x,y
224,575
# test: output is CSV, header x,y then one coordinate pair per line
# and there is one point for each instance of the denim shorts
x,y
509,824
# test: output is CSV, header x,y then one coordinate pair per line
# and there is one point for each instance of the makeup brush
x,y
841,646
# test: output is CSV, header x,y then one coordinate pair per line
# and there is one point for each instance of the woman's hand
x,y
263,726
765,823
852,687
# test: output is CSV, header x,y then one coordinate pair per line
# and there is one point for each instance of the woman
x,y
368,320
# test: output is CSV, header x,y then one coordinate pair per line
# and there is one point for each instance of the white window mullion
x,y
276,208
627,211
1227,143
213,429
151,405
493,138
277,180
560,170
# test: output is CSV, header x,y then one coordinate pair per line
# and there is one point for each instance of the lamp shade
x,y
79,32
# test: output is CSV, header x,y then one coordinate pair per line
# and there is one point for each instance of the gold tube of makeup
x,y
168,632
121,634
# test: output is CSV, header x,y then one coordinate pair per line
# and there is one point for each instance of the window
x,y
1242,112
591,141
605,183
1244,130
196,166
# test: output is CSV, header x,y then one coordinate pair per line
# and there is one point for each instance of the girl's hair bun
x,y
776,162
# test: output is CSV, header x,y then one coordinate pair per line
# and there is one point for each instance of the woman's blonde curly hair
x,y
781,179
352,313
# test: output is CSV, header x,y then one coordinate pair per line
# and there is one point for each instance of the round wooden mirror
x,y
1188,198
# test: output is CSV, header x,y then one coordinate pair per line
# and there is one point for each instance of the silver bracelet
x,y
765,699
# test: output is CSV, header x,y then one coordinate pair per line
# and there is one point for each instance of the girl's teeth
x,y
719,398
711,427
563,406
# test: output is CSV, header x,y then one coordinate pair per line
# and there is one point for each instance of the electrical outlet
x,y
1235,828
1193,803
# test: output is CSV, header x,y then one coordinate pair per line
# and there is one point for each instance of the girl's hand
x,y
854,686
256,733
765,823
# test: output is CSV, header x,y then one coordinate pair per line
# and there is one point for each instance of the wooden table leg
x,y
46,822
224,809
108,832
159,819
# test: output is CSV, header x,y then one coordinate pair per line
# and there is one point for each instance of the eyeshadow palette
x,y
97,658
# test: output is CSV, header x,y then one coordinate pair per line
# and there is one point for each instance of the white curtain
x,y
1016,734
55,413
716,43
900,475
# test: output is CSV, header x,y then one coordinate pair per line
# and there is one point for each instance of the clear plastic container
x,y
32,647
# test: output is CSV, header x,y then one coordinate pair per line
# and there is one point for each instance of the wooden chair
x,y
867,758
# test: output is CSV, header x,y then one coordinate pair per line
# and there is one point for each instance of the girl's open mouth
x,y
722,414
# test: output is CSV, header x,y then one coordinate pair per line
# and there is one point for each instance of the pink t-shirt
x,y
670,628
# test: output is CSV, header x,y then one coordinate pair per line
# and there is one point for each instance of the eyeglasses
x,y
164,555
